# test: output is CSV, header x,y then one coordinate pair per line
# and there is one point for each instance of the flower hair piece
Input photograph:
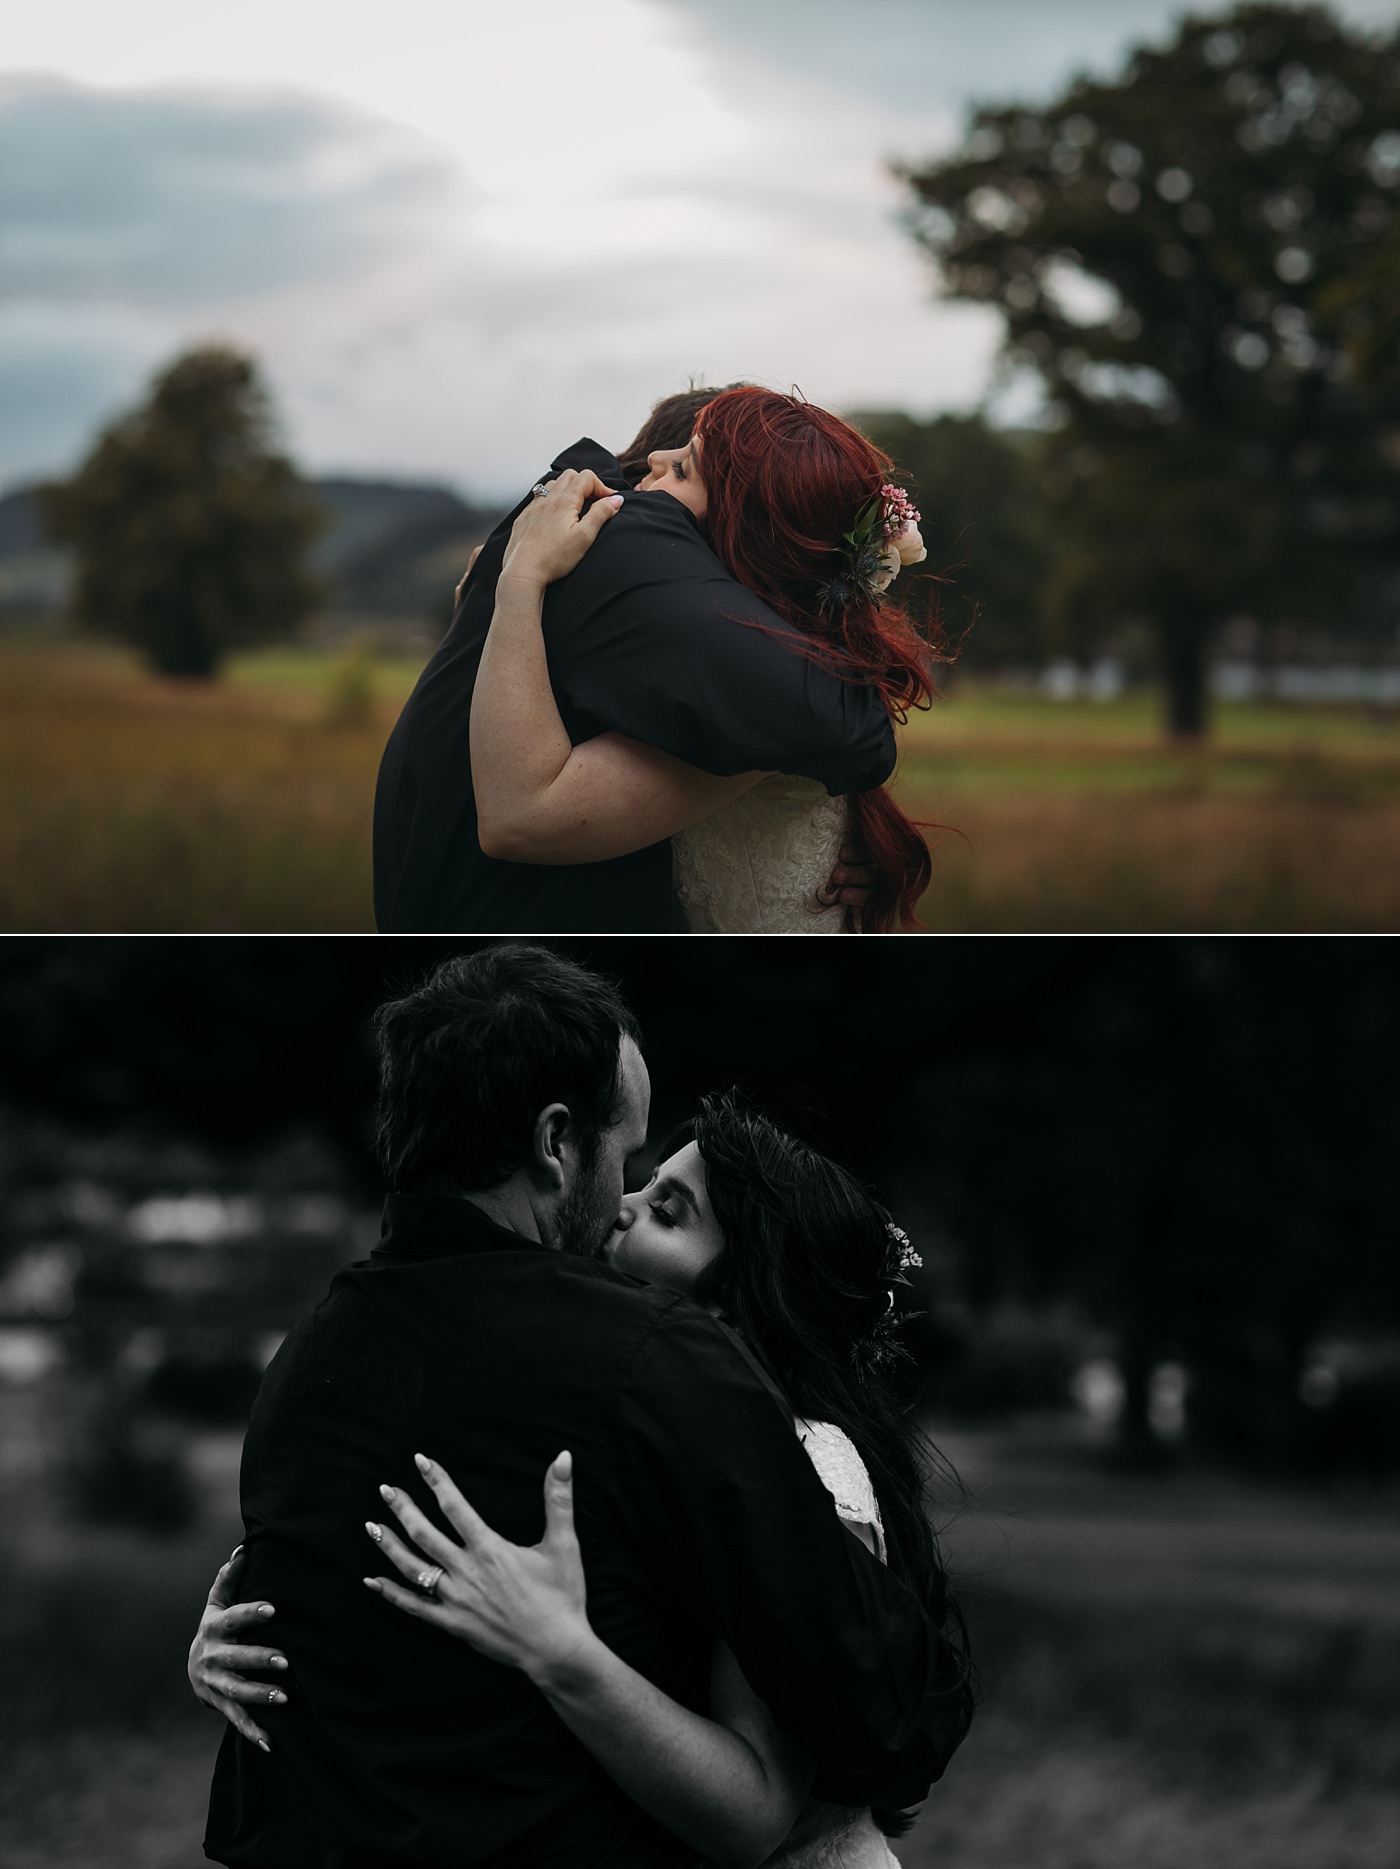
x,y
882,1349
863,555
905,1248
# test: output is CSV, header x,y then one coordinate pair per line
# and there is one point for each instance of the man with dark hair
x,y
648,637
469,1057
483,1327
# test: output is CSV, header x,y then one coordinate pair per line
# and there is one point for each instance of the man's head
x,y
670,425
514,1075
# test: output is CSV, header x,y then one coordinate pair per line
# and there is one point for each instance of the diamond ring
x,y
539,490
428,1580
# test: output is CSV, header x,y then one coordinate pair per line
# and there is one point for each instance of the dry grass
x,y
135,805
1130,862
1178,1670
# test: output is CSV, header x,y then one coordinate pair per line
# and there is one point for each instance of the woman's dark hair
x,y
805,1276
468,1060
670,425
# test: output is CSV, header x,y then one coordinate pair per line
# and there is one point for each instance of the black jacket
x,y
648,636
698,1514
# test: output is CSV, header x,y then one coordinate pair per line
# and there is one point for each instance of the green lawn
x,y
132,804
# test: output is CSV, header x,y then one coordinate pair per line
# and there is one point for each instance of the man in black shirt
x,y
650,637
512,1090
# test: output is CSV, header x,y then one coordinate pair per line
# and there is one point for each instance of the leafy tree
x,y
978,491
191,529
1200,261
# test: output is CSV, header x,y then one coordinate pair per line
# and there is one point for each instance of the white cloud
x,y
461,233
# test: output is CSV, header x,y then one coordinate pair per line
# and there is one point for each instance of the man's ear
x,y
551,1145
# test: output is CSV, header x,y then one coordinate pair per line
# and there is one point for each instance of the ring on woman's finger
x,y
428,1580
539,490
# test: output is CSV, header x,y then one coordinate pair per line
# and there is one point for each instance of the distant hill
x,y
392,548
34,575
396,549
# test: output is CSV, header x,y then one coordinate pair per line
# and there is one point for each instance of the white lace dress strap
x,y
843,1473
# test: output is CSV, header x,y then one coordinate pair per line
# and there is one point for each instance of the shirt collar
x,y
440,1226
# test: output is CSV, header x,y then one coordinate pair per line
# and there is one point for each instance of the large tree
x,y
1198,259
983,523
191,528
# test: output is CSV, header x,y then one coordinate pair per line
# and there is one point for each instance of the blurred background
x,y
296,302
1156,1333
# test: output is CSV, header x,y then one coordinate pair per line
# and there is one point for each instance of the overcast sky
x,y
459,234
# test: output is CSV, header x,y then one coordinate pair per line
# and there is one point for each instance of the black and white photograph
x,y
656,1403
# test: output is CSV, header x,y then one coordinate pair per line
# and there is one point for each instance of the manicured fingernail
x,y
388,1495
564,1465
370,1583
277,1661
376,1532
234,1553
422,1462
264,1745
266,1609
613,499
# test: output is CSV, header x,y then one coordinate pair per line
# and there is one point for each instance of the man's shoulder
x,y
652,568
436,1289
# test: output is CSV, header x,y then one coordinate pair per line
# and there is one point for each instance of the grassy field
x,y
1186,1671
1183,1672
137,805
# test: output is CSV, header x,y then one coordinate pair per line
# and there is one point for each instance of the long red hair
x,y
783,481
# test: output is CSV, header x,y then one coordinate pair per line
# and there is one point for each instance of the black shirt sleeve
x,y
650,637
743,1533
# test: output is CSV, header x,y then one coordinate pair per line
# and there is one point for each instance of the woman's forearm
x,y
518,743
539,798
729,1799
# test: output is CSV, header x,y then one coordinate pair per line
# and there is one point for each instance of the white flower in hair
x,y
907,1255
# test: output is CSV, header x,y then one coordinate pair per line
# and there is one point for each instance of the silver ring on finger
x,y
428,1580
539,490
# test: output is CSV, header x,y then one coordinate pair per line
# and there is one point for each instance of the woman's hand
x,y
462,581
852,880
219,1658
553,532
518,1604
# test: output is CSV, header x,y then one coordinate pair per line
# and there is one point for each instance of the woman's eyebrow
x,y
671,1186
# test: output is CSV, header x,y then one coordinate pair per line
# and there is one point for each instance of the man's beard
x,y
583,1219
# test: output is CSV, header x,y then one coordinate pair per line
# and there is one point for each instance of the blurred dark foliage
x,y
127,1473
191,529
984,526
1200,261
1188,1144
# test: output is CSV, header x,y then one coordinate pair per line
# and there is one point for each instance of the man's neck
x,y
511,1206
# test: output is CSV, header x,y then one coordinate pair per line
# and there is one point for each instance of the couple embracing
x,y
588,1520
666,700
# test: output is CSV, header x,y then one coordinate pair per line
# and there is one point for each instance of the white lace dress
x,y
836,1836
755,865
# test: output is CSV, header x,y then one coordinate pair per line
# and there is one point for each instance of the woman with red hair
x,y
797,506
